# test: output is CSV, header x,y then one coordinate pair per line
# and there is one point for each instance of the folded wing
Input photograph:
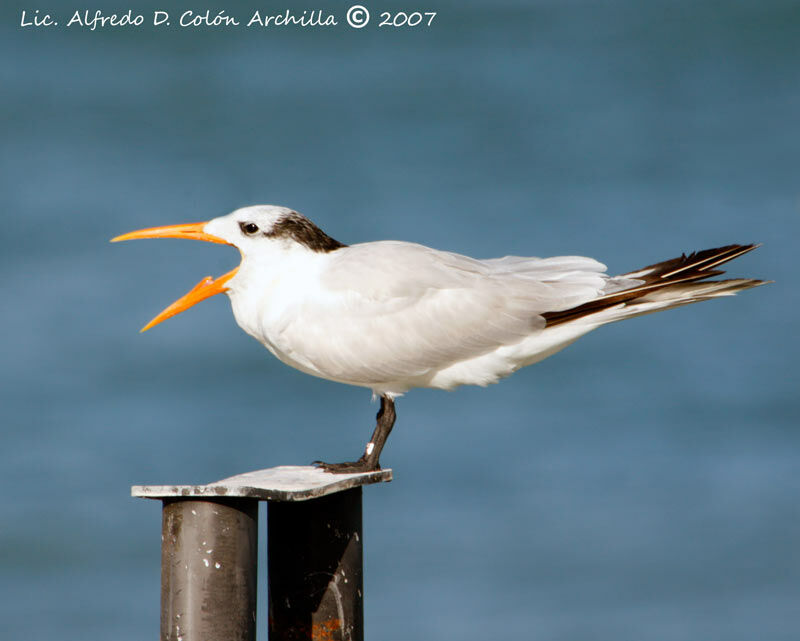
x,y
401,310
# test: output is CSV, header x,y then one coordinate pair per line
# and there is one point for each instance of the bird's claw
x,y
361,466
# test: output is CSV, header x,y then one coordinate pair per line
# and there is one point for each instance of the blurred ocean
x,y
642,485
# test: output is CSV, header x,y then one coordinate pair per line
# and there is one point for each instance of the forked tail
x,y
665,285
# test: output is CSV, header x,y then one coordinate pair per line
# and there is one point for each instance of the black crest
x,y
303,231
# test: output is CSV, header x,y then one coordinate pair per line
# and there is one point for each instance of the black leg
x,y
369,459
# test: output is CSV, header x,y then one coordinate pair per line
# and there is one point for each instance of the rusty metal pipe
x,y
315,569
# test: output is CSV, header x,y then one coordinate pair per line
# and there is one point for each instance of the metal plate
x,y
283,483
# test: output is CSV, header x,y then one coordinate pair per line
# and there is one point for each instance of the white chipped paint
x,y
217,565
210,551
205,562
370,447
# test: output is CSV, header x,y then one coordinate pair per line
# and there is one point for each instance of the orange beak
x,y
205,288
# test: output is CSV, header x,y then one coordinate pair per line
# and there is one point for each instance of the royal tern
x,y
392,316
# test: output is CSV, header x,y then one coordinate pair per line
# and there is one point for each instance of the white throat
x,y
269,286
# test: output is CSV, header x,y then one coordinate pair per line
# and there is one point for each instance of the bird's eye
x,y
248,228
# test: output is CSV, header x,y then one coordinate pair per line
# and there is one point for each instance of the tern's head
x,y
255,230
260,228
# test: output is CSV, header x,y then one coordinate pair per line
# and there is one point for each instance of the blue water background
x,y
642,485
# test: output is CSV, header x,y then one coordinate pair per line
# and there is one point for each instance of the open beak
x,y
205,288
189,230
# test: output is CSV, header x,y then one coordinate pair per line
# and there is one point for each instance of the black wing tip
x,y
697,262
694,268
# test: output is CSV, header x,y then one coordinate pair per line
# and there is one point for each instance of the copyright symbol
x,y
357,16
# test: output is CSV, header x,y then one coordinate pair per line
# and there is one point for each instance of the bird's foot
x,y
360,466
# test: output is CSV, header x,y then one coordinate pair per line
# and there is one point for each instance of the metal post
x,y
315,569
208,569
209,546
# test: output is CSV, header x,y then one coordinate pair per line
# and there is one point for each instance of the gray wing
x,y
402,309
